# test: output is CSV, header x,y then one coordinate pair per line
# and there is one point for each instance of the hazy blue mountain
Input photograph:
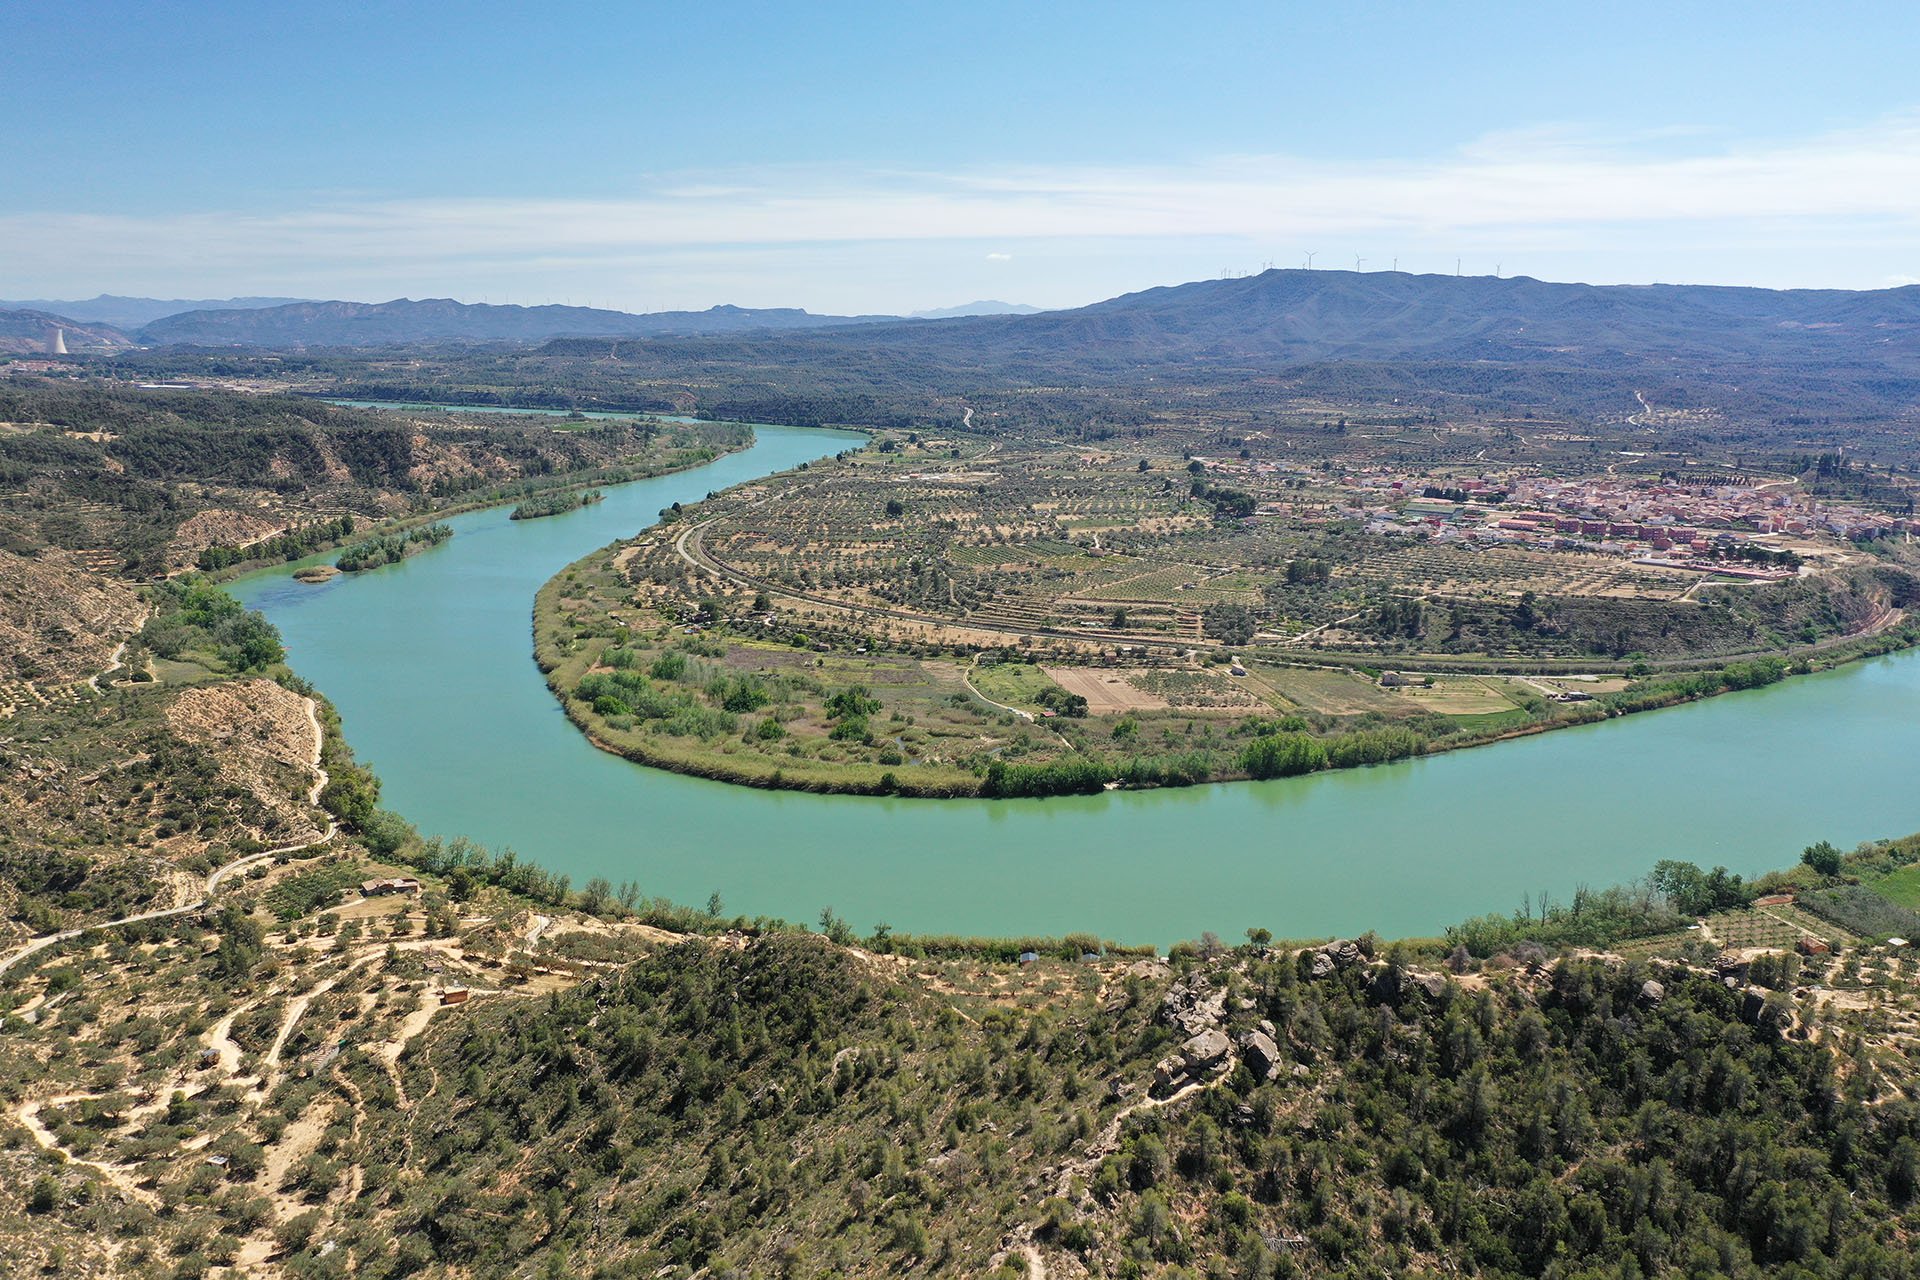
x,y
405,320
983,308
132,313
1297,316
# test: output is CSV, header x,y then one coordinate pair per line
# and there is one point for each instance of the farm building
x,y
391,884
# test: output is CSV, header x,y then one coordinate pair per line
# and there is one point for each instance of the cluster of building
x,y
1731,529
1652,506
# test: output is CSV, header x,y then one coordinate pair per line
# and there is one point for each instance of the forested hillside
x,y
143,482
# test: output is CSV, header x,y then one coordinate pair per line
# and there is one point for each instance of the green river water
x,y
430,664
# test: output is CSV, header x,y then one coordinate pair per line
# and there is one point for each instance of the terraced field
x,y
1188,603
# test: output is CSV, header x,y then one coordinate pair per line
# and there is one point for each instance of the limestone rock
x,y
1206,1050
1336,956
1191,1008
1261,1054
1387,986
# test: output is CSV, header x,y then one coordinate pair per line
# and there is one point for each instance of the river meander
x,y
429,662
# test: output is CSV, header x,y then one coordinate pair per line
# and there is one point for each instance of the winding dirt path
x,y
219,1038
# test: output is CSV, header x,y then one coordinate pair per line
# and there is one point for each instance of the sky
x,y
854,158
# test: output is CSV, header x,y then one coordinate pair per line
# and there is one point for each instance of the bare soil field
x,y
1106,692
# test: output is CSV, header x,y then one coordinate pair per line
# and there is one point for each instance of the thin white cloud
x,y
1537,190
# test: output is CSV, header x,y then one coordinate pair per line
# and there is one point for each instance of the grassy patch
x,y
1017,684
1902,887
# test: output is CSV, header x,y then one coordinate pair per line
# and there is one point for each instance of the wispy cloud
x,y
1538,188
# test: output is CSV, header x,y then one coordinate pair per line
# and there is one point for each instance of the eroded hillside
x,y
58,622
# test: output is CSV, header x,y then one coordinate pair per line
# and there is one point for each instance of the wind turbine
x,y
1357,260
1310,258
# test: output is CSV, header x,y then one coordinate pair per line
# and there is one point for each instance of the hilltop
x,y
985,307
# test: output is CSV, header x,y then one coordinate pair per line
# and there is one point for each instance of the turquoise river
x,y
429,662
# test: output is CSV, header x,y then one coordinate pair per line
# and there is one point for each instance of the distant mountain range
x,y
1277,318
404,320
277,322
1295,317
988,308
132,313
1745,354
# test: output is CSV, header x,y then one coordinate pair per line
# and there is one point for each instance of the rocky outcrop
x,y
1769,1011
1190,1007
1261,1055
1335,957
1202,1055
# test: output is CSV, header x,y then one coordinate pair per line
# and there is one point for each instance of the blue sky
x,y
849,157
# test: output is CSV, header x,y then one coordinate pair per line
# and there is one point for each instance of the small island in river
x,y
391,548
554,504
